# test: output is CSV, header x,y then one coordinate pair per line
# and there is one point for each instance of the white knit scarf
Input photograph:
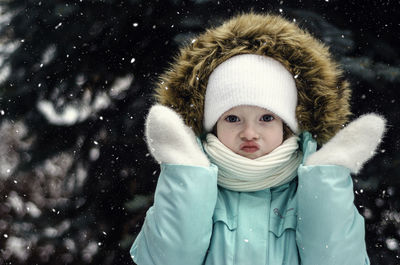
x,y
239,173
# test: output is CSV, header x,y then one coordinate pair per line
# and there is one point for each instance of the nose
x,y
249,132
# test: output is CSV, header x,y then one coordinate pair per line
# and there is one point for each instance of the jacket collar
x,y
307,144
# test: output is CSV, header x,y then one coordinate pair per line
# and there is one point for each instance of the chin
x,y
251,156
254,156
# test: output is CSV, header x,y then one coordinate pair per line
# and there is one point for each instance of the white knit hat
x,y
250,79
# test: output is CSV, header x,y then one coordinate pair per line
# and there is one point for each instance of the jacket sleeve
x,y
177,228
330,230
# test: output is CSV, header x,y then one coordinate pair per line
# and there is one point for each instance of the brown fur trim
x,y
323,95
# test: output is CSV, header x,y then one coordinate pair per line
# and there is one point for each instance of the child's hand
x,y
170,140
352,146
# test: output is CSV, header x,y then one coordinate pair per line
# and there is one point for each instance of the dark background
x,y
75,84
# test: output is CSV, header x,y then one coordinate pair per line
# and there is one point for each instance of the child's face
x,y
250,131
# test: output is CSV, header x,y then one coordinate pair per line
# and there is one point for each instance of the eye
x,y
232,118
267,118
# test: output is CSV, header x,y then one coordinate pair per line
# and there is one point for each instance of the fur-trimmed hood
x,y
323,94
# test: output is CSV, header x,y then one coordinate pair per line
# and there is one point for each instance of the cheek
x,y
279,139
276,136
225,135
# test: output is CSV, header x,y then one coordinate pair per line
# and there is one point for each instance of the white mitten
x,y
170,140
352,146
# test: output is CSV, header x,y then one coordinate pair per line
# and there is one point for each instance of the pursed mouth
x,y
249,147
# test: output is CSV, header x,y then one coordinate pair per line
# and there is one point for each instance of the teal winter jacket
x,y
310,221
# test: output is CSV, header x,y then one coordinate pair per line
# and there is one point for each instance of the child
x,y
241,113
